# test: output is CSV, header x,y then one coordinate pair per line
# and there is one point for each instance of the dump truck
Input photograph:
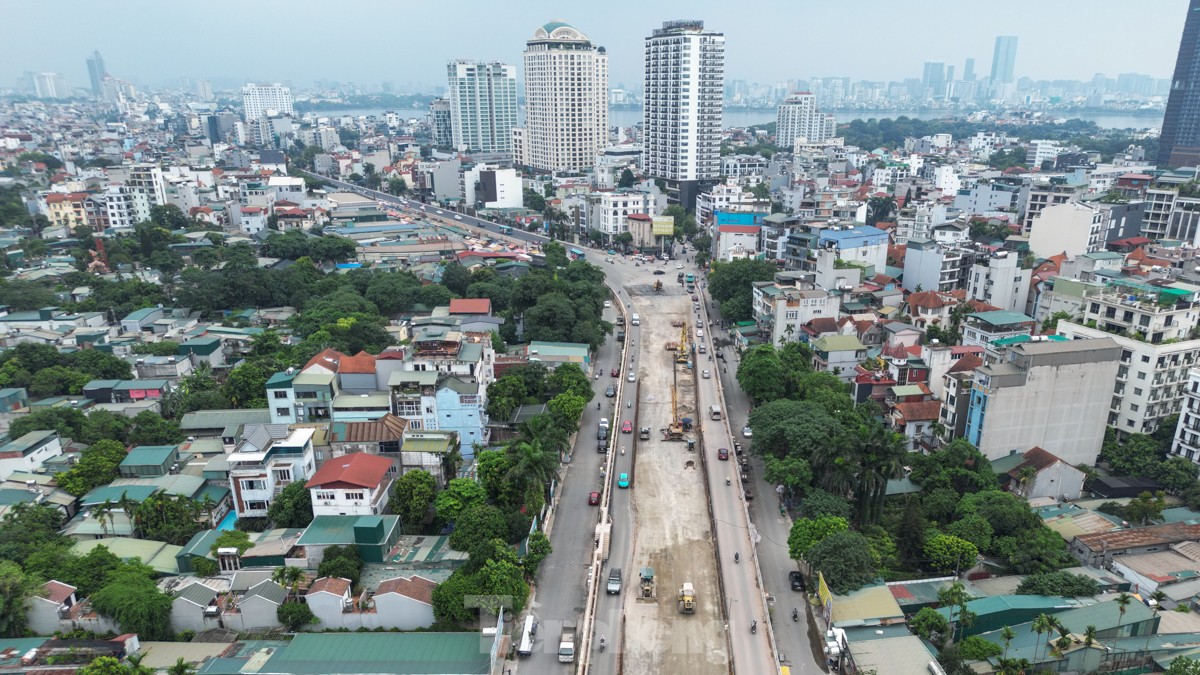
x,y
566,643
687,598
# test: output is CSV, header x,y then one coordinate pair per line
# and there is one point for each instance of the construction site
x,y
673,623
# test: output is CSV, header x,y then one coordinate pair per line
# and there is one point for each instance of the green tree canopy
x,y
412,499
846,561
292,507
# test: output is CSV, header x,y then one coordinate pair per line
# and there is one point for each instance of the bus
x,y
505,229
525,646
575,253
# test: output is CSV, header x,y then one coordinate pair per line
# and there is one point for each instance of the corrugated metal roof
x,y
380,653
866,605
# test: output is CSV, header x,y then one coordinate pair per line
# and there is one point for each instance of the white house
x,y
28,452
269,458
195,607
329,598
45,609
405,604
1039,473
351,485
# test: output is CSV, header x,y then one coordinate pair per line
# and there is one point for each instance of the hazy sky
x,y
409,41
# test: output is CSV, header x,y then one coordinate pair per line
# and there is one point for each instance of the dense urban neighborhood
x,y
351,381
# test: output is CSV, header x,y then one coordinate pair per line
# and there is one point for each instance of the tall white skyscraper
x,y
96,72
798,117
258,99
1004,60
683,101
566,101
483,105
51,85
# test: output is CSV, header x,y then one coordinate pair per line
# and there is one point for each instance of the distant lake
x,y
745,118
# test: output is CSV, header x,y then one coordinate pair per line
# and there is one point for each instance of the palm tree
x,y
181,667
1044,623
954,597
834,463
532,464
289,577
1061,643
1123,601
1007,634
135,666
1157,596
1013,666
1089,636
1025,475
881,454
103,515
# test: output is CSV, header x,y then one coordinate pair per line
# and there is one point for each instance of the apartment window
x,y
354,496
279,394
283,412
326,496
254,485
1137,391
1141,375
1133,407
283,475
256,506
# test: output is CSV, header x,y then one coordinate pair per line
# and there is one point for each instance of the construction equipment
x,y
687,598
682,352
658,287
647,582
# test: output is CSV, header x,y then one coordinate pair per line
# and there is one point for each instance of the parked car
x,y
796,580
607,304
623,480
659,272
723,454
593,498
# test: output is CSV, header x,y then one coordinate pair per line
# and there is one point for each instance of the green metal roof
x,y
1020,339
326,530
135,493
380,654
1002,603
838,343
1000,317
201,543
908,390
427,444
220,419
149,455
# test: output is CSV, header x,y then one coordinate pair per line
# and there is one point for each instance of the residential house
x,y
1037,473
838,354
357,484
405,604
375,537
46,608
29,452
330,600
1000,280
255,607
194,607
268,458
1048,394
981,329
149,460
914,420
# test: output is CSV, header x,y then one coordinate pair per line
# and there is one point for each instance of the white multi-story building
x,y
683,100
798,118
931,266
608,210
566,101
351,485
1153,372
50,85
269,458
483,105
723,197
1044,393
149,179
488,186
259,99
1000,280
1041,151
122,206
780,310
1073,228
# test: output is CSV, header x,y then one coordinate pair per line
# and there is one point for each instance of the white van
x,y
635,320
525,647
714,412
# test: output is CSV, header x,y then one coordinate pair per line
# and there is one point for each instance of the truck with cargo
x,y
566,643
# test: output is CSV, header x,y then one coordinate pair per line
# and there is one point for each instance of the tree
x,y
412,498
627,179
458,496
98,465
1058,583
954,598
29,528
15,588
567,409
1146,507
150,428
1123,601
132,599
760,374
729,283
808,532
450,607
1043,623
181,667
846,561
976,648
1051,324
456,278
58,380
292,507
289,577
947,553
477,523
166,517
397,186
537,550
930,625
295,615
880,209
503,586
1183,665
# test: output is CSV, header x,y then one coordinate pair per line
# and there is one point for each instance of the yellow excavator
x,y
687,598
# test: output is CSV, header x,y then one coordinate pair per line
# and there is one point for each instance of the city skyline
x,y
958,33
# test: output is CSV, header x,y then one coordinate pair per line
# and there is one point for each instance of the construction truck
x,y
566,643
687,598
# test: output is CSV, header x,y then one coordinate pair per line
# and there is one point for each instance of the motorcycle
x,y
795,614
727,483
737,557
753,627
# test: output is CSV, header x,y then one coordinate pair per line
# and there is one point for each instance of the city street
x,y
562,583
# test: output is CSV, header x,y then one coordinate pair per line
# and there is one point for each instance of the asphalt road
x,y
562,583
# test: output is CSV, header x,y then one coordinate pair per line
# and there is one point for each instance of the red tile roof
x,y
351,471
329,358
335,585
471,306
966,364
919,411
361,363
57,592
417,588
928,300
739,229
